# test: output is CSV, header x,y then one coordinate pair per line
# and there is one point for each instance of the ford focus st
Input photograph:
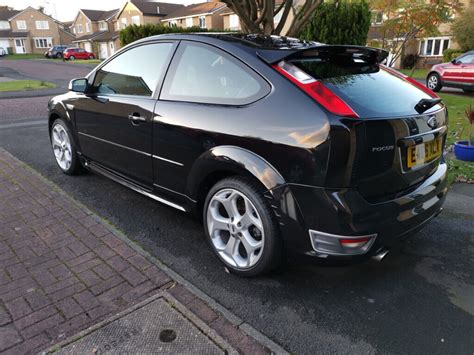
x,y
279,145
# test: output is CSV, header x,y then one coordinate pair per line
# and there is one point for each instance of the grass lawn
x,y
23,85
24,56
85,61
458,170
417,74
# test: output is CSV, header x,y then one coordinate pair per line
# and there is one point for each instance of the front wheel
x,y
63,149
241,227
433,82
72,57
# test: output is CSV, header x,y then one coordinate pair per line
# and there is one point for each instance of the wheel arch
x,y
59,111
225,161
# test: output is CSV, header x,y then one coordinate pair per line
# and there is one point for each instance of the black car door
x,y
114,119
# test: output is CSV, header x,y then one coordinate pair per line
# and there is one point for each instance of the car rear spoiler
x,y
368,54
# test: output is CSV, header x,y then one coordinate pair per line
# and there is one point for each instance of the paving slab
x,y
156,326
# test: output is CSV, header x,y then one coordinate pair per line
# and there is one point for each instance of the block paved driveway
x,y
62,269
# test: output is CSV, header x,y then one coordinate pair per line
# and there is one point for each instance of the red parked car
x,y
459,73
77,53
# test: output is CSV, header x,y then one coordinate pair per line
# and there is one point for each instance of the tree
x,y
339,23
406,20
258,16
463,30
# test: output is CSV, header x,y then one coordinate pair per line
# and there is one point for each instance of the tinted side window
x,y
467,59
205,74
134,72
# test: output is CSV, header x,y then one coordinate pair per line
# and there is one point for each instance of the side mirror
x,y
454,61
78,85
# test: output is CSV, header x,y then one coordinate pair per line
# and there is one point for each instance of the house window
x,y
103,26
377,17
434,47
124,22
173,23
4,25
21,24
189,22
157,9
79,28
136,20
42,25
88,27
202,21
233,22
43,42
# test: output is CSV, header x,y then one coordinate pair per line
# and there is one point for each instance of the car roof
x,y
251,40
270,48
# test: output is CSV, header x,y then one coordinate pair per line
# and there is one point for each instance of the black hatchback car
x,y
278,144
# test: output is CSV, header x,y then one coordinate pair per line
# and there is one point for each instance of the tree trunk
x,y
257,16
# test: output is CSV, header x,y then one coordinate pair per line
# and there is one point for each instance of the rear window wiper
x,y
426,104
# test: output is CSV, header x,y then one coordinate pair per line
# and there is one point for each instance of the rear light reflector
x,y
315,89
410,80
354,243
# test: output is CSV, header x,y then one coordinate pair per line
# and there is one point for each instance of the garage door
x,y
4,43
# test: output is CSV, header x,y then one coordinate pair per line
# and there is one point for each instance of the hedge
x,y
450,54
134,32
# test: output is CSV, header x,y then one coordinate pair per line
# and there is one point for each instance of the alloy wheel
x,y
432,82
235,228
61,146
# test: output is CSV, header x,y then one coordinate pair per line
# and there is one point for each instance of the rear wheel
x,y
59,55
63,149
433,82
241,228
91,57
72,57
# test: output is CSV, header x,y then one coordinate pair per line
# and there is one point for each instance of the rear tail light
x,y
315,89
410,80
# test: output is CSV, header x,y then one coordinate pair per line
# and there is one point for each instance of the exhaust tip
x,y
380,255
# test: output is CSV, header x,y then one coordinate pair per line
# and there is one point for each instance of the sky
x,y
66,10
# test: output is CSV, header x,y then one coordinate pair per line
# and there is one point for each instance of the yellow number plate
x,y
423,153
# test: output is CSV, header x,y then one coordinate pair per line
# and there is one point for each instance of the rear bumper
x,y
345,213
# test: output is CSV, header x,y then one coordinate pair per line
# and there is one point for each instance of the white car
x,y
3,52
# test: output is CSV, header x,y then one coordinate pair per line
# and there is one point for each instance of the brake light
x,y
315,89
410,80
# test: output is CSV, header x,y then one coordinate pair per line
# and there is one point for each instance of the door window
x,y
134,72
205,74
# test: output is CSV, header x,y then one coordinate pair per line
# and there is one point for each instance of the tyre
x,y
91,57
59,55
72,57
433,82
63,149
241,227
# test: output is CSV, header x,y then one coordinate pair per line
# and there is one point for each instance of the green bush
x,y
133,32
450,54
339,23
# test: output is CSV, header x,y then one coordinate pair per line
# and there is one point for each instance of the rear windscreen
x,y
366,88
